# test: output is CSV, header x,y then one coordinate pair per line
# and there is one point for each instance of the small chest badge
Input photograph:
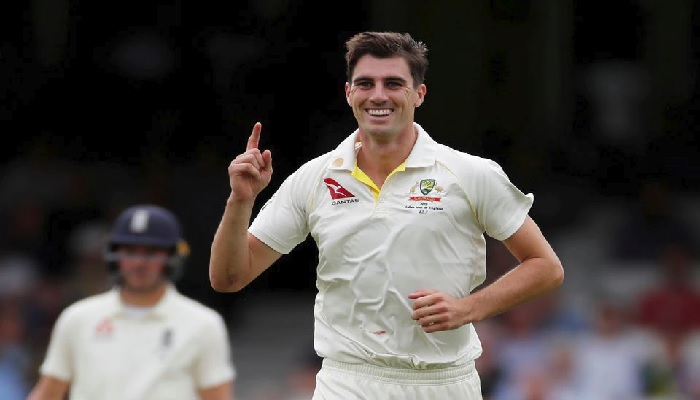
x,y
426,185
427,200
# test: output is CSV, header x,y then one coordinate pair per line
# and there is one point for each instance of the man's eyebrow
x,y
387,78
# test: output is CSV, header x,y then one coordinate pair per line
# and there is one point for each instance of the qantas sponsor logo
x,y
344,201
339,194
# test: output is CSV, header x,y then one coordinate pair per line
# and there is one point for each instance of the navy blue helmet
x,y
149,225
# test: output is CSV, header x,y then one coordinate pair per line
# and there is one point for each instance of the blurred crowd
x,y
620,344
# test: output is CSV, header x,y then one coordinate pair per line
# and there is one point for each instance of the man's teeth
x,y
379,112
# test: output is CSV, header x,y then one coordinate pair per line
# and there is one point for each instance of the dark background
x,y
160,96
104,104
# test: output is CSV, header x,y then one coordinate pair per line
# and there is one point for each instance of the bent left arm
x,y
539,271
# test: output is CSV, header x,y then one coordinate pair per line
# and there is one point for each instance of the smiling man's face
x,y
382,96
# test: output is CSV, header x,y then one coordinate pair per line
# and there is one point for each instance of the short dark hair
x,y
388,45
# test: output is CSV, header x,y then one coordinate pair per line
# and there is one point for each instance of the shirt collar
x,y
422,154
160,310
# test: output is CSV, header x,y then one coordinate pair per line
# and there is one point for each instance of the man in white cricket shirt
x,y
399,222
142,340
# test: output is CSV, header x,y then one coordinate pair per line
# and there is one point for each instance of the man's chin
x,y
142,288
379,130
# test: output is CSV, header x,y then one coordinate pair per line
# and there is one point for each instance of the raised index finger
x,y
254,138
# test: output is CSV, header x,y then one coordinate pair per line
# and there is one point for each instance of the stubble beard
x,y
144,288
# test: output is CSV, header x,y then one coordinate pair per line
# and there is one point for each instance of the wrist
x,y
236,201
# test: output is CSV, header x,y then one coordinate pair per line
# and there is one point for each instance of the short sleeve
x,y
282,221
500,206
215,363
58,362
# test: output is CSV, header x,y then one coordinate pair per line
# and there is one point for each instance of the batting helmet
x,y
148,225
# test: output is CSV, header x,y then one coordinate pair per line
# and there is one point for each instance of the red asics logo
x,y
104,328
337,191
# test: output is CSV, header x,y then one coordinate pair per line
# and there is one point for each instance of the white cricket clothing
x,y
107,352
341,381
424,230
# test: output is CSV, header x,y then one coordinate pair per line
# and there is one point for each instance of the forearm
x,y
221,392
530,279
49,388
230,255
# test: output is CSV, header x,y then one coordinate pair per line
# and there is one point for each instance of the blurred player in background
x,y
143,340
399,221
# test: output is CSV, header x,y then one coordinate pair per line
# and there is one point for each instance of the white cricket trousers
x,y
341,381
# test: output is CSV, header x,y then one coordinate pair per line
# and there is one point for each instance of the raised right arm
x,y
237,257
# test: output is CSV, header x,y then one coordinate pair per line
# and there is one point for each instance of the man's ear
x,y
420,98
348,93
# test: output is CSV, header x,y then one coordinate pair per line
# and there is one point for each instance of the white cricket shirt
x,y
106,352
423,230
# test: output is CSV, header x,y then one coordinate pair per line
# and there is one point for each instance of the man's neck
x,y
382,157
145,298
